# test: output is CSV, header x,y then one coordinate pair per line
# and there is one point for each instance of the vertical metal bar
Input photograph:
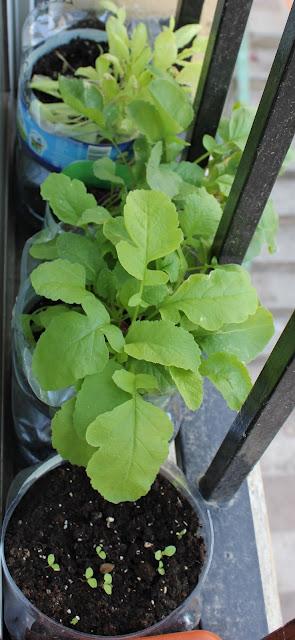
x,y
270,137
225,38
268,405
188,11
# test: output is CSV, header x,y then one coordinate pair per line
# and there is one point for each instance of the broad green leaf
x,y
67,198
97,215
211,301
245,339
230,377
185,34
97,395
130,382
65,439
189,385
84,97
265,233
240,125
42,318
201,216
139,40
60,280
95,310
172,265
159,341
173,105
161,177
157,371
165,50
147,119
149,240
189,172
115,230
133,443
105,169
81,250
44,250
106,284
72,347
114,337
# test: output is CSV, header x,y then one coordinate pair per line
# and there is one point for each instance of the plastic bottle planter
x,y
40,148
22,618
33,408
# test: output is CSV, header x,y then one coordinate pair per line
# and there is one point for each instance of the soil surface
x,y
65,60
64,516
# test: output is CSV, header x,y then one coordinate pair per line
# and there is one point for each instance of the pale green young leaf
x,y
105,169
161,177
71,348
65,439
147,119
159,341
92,583
114,337
240,125
60,280
44,250
189,172
95,310
230,376
139,40
129,458
96,215
165,50
201,216
43,317
84,97
189,385
88,573
114,230
245,340
98,394
130,382
118,39
67,198
141,215
173,105
157,371
265,233
51,559
211,301
185,35
81,250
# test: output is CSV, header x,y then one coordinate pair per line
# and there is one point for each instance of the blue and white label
x,y
53,151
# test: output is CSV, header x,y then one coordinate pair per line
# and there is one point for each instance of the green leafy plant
x,y
159,555
131,310
75,620
133,89
101,553
91,581
51,562
108,584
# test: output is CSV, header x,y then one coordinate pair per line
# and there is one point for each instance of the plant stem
x,y
203,157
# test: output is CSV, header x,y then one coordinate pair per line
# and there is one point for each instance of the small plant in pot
x,y
129,309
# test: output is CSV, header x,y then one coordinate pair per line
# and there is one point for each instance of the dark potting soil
x,y
66,59
62,515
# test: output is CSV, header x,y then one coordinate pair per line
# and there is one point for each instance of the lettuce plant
x,y
130,309
134,88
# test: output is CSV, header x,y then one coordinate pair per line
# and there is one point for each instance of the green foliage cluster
x,y
132,308
134,88
168,552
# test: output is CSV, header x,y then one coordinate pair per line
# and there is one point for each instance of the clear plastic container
x,y
32,407
25,622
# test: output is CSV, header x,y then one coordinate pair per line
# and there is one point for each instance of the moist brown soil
x,y
63,515
66,59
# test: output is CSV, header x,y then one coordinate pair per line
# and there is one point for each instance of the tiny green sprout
x,y
51,562
180,534
100,552
169,552
75,620
108,584
89,577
